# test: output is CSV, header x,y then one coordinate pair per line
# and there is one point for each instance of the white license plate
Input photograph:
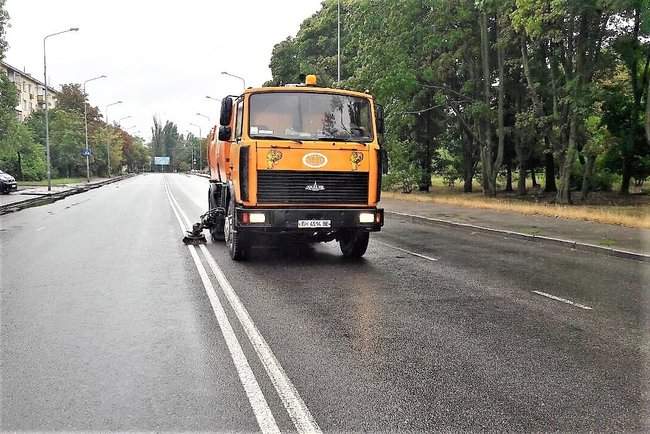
x,y
314,223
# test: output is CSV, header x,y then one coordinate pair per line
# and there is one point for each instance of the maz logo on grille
x,y
315,187
315,160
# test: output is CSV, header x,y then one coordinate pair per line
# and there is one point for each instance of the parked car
x,y
7,183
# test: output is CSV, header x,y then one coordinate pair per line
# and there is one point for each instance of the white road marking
x,y
428,258
260,407
295,406
563,300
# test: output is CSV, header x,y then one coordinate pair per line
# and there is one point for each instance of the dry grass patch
x,y
634,216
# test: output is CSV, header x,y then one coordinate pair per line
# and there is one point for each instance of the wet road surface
x,y
110,323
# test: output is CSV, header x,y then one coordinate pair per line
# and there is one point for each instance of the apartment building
x,y
31,92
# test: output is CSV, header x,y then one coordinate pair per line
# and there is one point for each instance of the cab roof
x,y
307,89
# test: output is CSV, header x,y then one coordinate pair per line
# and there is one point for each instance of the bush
x,y
404,179
404,174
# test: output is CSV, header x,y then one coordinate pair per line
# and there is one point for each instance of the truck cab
x,y
297,160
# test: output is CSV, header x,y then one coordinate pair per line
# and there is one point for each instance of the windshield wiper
x,y
278,138
341,139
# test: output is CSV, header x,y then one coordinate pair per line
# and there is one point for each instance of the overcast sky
x,y
162,57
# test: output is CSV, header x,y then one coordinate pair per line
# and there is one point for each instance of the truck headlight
x,y
366,217
257,217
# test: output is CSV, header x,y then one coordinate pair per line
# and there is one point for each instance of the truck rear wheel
x,y
216,231
235,241
354,244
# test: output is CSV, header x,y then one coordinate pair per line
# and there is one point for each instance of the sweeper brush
x,y
195,237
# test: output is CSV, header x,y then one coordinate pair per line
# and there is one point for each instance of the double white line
x,y
295,406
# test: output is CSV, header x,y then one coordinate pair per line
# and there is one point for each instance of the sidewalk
x,y
29,196
599,234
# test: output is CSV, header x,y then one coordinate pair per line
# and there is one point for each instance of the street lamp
x,y
119,122
108,142
212,98
47,123
86,125
235,76
200,150
200,135
187,135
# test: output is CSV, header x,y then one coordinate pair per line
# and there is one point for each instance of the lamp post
x,y
235,76
188,132
119,122
47,121
212,98
338,44
108,142
86,125
200,135
200,146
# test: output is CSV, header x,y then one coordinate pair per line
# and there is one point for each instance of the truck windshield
x,y
310,116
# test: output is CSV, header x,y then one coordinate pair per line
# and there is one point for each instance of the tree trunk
x,y
486,146
521,184
20,166
564,190
533,178
491,165
647,113
549,173
627,175
586,176
509,177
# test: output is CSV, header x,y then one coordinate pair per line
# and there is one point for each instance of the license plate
x,y
314,223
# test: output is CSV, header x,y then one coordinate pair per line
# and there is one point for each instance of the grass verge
x,y
636,216
57,181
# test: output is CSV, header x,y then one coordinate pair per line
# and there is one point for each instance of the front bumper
x,y
286,220
9,185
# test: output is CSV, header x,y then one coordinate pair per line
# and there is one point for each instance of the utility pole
x,y
200,145
338,55
47,119
108,142
86,126
199,127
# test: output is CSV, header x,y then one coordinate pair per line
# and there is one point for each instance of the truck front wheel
x,y
353,244
234,240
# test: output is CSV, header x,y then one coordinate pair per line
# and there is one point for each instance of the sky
x,y
162,57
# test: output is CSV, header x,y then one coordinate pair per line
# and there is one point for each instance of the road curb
x,y
575,245
50,198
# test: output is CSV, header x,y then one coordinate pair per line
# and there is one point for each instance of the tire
x,y
216,231
354,244
235,241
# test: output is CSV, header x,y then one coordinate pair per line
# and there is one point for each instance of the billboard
x,y
161,161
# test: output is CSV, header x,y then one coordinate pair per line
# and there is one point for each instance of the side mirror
x,y
383,155
380,119
224,133
226,112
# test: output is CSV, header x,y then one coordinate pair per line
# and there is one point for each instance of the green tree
x,y
4,24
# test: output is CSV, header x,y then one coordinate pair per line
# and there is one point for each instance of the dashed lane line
x,y
563,300
419,255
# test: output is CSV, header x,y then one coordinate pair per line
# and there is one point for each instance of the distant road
x,y
109,322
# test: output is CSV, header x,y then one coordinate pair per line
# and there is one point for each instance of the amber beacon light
x,y
311,80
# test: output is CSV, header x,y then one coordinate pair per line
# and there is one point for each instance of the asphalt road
x,y
109,322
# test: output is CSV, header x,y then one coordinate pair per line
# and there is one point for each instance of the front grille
x,y
279,186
